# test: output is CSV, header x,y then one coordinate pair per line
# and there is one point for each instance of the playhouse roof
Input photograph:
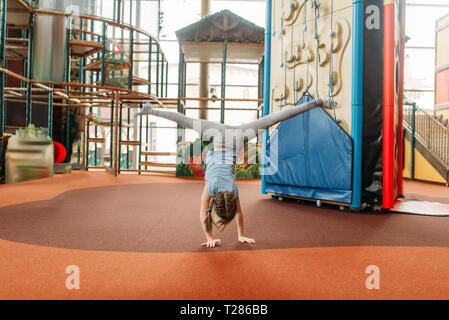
x,y
222,26
203,41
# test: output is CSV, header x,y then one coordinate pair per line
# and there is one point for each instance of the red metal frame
x,y
394,36
388,108
401,26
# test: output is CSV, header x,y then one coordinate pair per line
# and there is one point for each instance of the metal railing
x,y
431,133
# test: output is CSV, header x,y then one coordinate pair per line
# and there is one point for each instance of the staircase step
x,y
130,143
147,153
157,164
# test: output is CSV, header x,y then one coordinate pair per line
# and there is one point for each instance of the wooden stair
x,y
84,48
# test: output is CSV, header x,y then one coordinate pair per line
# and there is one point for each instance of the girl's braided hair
x,y
225,206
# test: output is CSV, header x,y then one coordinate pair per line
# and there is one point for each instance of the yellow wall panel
x,y
442,41
445,113
423,169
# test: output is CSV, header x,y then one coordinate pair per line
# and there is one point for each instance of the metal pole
x,y
2,76
260,91
122,54
67,133
119,140
180,86
166,79
204,72
86,150
82,60
112,135
67,74
184,90
412,143
131,59
184,79
50,113
67,63
223,82
103,54
24,61
162,76
119,11
157,70
357,101
150,56
98,77
84,144
127,137
96,147
131,12
67,49
260,84
146,139
114,13
82,79
28,106
159,19
138,14
140,141
78,153
130,86
266,88
87,128
2,84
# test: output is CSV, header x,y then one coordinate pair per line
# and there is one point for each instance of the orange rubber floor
x,y
413,263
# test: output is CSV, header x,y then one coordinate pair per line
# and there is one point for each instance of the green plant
x,y
124,164
252,172
92,161
183,170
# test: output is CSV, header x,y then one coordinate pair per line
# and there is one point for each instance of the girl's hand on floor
x,y
212,243
246,240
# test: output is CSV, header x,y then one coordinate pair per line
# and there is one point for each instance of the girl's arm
x,y
239,215
205,201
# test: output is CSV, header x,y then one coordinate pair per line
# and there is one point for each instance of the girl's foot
x,y
147,109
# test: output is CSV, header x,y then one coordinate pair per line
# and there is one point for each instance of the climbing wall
x,y
311,53
310,156
351,52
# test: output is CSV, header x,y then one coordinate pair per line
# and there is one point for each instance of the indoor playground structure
x,y
97,173
82,78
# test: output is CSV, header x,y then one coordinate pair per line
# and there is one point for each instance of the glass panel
x,y
144,12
